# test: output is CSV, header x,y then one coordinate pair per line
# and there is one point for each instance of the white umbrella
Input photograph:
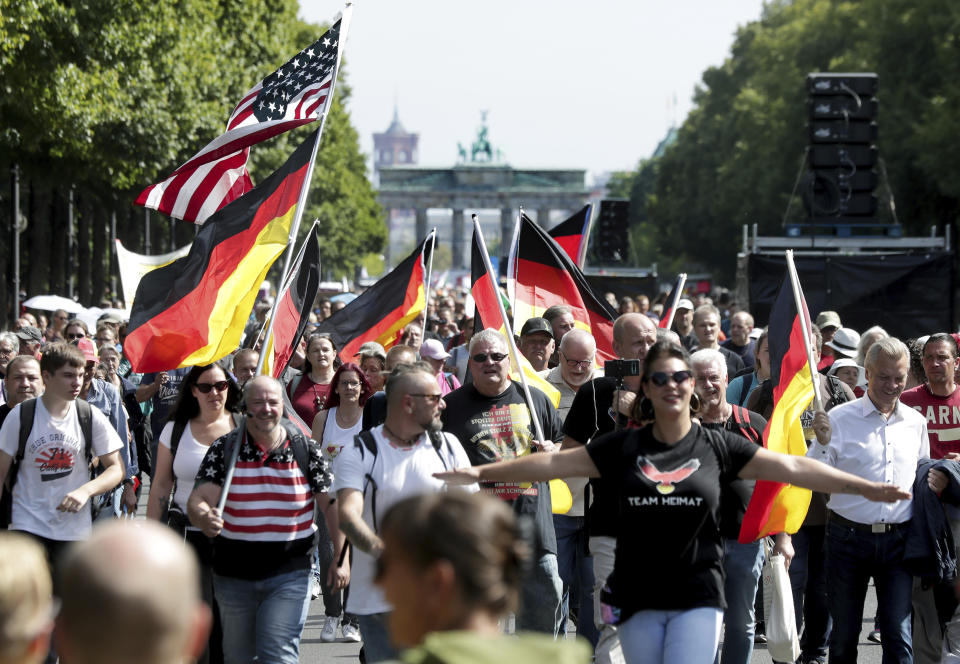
x,y
52,303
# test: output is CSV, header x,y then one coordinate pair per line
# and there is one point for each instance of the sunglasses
x,y
219,386
432,398
660,378
81,335
480,358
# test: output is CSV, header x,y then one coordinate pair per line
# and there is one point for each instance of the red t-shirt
x,y
943,418
309,398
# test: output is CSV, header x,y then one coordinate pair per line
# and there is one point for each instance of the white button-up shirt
x,y
867,444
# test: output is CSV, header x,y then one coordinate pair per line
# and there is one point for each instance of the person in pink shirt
x,y
432,352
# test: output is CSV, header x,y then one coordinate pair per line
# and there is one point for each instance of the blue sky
x,y
565,84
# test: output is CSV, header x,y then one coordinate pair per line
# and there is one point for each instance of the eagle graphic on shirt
x,y
666,481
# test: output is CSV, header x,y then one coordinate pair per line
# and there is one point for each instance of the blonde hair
x,y
25,594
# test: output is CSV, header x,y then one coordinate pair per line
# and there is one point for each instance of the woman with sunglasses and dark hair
x,y
308,389
334,426
666,591
204,412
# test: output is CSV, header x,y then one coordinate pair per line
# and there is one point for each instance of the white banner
x,y
134,266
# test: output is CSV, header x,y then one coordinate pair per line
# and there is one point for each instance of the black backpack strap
x,y
176,435
28,410
301,452
438,439
362,440
86,427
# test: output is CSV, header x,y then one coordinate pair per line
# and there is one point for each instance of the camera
x,y
621,368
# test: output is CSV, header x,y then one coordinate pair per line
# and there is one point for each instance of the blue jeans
x,y
576,574
742,564
377,646
671,637
853,556
264,618
540,592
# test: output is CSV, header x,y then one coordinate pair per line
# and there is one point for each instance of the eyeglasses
x,y
350,383
76,335
660,378
577,364
432,398
480,358
219,386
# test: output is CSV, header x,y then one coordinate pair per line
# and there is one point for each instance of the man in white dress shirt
x,y
877,438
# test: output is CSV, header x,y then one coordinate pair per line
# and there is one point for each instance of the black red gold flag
x,y
193,311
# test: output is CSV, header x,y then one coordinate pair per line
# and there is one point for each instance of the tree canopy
x,y
108,96
737,154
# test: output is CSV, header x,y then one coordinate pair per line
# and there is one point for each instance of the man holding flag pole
x,y
495,418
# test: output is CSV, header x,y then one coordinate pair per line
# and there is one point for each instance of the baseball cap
x,y
108,317
371,349
87,348
433,349
684,303
828,319
845,341
534,325
29,333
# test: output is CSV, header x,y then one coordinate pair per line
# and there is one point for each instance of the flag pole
x,y
676,298
426,282
803,316
512,262
305,188
232,465
511,343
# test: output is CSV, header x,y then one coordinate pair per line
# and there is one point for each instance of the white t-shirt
x,y
335,436
186,464
399,473
54,464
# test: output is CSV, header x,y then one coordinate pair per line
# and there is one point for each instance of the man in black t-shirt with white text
x,y
491,419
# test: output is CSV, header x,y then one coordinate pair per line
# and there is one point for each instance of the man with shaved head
x,y
262,566
141,581
390,462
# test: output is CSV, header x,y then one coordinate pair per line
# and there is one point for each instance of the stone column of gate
x,y
421,225
456,229
543,218
508,219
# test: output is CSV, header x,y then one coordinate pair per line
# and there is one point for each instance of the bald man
x,y
141,581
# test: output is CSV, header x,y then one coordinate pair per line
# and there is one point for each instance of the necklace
x,y
317,395
406,441
342,420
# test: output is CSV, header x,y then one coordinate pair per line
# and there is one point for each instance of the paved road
x,y
312,651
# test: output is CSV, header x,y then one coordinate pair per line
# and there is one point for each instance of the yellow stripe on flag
x,y
237,294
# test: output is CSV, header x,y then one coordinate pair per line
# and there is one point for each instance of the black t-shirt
x,y
592,414
734,362
736,495
495,428
746,353
669,550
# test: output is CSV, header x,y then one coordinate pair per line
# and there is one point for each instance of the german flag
x,y
487,315
776,507
570,233
293,311
384,309
671,304
193,310
545,275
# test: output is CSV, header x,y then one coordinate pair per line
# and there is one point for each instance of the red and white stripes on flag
x,y
296,94
268,503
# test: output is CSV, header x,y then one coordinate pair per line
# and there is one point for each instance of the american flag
x,y
295,94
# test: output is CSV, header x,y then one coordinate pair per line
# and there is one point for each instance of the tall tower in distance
x,y
394,147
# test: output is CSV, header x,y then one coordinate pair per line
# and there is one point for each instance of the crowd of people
x,y
415,495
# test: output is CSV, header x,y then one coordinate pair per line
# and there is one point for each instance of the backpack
x,y
365,441
741,417
28,411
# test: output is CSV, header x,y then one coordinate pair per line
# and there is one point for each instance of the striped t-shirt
x,y
268,517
